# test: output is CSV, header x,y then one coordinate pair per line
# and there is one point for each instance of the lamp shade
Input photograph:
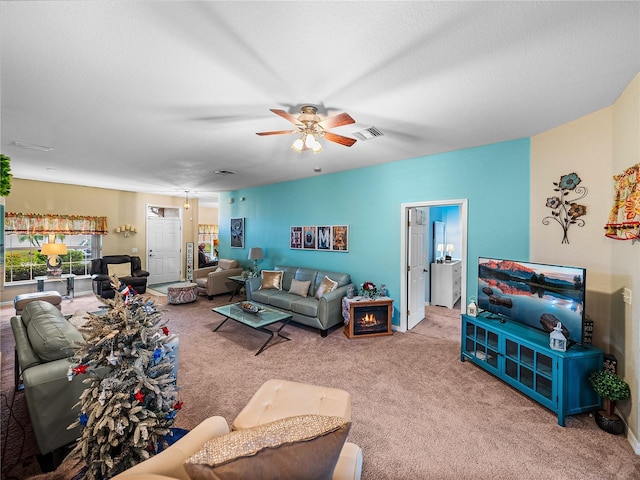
x,y
449,247
54,249
255,253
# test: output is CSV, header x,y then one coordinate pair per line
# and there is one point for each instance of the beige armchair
x,y
215,280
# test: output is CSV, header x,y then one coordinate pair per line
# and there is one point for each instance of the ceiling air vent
x,y
368,133
224,172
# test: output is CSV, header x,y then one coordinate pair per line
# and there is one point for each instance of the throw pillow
x,y
304,446
271,280
119,269
326,286
298,287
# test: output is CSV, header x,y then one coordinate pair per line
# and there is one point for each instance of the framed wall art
x,y
296,237
309,238
340,238
237,232
326,238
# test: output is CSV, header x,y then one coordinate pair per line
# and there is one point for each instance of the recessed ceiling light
x,y
224,172
30,146
317,169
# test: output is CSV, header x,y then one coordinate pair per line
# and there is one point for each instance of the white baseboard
x,y
633,441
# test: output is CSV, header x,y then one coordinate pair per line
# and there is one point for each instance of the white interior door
x,y
417,268
163,250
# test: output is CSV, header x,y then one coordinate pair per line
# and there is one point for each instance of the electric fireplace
x,y
369,318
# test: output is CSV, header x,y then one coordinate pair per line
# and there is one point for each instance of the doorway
x,y
164,238
410,292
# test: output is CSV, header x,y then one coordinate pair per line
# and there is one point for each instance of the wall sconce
x,y
126,230
186,203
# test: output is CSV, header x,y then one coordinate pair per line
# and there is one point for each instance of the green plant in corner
x,y
612,388
5,175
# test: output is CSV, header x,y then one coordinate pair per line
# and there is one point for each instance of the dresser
x,y
446,281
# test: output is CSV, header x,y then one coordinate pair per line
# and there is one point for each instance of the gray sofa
x,y
322,313
45,343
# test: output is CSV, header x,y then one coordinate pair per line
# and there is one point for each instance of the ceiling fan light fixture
x,y
316,147
298,145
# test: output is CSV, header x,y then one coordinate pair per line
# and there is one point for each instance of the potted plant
x,y
612,388
5,175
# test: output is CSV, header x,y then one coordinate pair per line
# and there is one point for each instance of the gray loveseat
x,y
322,313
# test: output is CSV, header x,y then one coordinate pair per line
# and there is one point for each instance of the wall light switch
x,y
134,250
626,295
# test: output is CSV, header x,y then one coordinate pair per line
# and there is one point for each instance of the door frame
x,y
462,203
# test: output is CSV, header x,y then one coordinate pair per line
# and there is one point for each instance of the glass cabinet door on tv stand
x,y
520,356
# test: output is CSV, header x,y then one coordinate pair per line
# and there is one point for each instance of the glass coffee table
x,y
258,321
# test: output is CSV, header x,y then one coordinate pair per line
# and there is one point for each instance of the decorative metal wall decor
x,y
566,211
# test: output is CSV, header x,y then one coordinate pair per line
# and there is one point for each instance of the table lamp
x,y
52,250
255,254
449,250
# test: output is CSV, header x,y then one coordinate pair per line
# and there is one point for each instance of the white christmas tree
x,y
131,398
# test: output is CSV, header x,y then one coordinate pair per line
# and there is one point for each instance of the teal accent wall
x,y
494,178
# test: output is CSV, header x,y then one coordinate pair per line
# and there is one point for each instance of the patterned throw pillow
x,y
304,446
271,280
326,286
298,287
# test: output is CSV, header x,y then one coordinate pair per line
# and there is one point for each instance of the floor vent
x,y
368,133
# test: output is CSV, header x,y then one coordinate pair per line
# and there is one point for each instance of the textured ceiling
x,y
156,96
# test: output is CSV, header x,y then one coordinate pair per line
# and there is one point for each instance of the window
x,y
26,233
23,260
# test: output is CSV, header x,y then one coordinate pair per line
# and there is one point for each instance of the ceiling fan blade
x,y
286,116
333,137
336,121
277,132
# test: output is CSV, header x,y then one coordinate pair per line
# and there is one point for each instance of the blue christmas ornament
x,y
83,419
171,415
157,354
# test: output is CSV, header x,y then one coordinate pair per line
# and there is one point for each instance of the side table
x,y
69,277
239,280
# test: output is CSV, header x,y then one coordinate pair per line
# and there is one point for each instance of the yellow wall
x,y
596,147
626,255
120,207
208,215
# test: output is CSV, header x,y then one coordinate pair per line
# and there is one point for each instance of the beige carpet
x,y
418,411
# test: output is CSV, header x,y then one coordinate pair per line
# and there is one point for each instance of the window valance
x,y
46,224
207,229
624,219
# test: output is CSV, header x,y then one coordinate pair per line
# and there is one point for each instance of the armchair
x,y
215,280
127,268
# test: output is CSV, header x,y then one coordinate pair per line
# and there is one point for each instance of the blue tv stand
x,y
520,356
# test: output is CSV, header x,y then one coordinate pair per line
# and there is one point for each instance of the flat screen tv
x,y
535,294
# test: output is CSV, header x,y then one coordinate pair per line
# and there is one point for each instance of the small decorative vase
x,y
350,292
383,290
